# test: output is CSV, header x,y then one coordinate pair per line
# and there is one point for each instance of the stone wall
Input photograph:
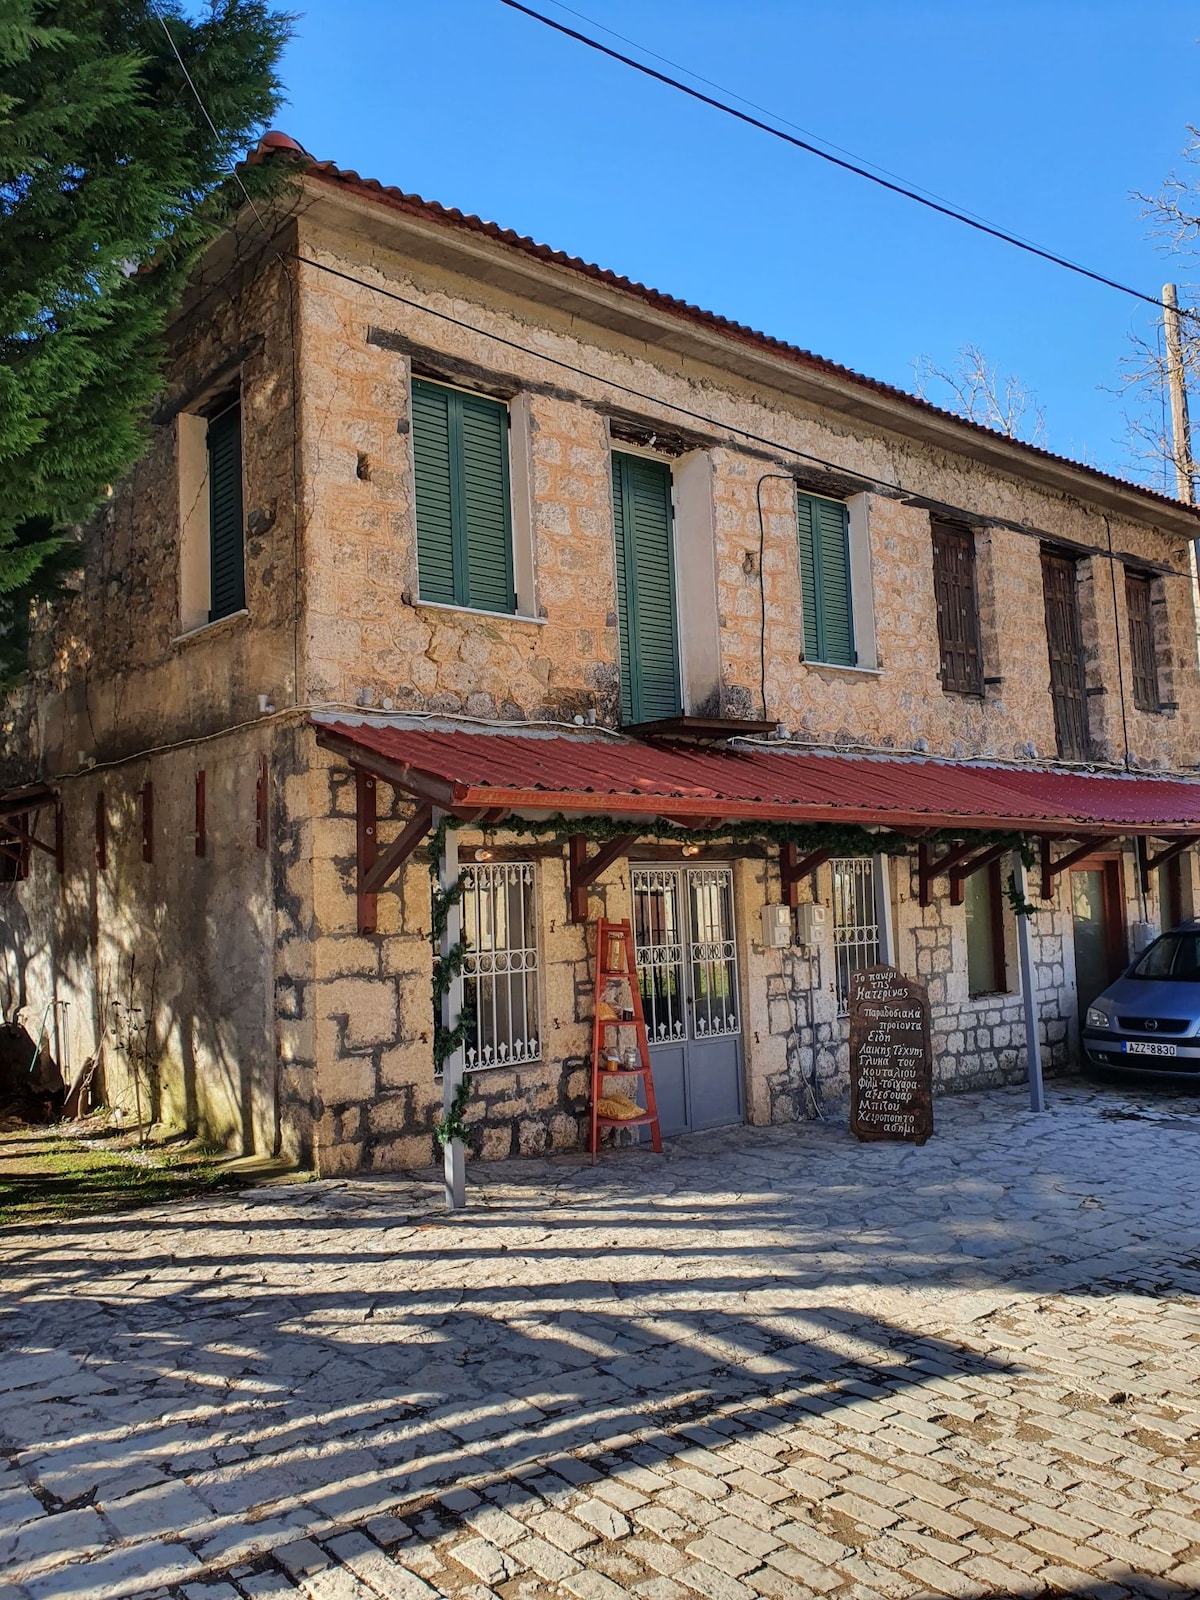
x,y
370,639
166,964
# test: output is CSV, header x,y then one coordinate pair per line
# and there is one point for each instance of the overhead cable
x,y
954,213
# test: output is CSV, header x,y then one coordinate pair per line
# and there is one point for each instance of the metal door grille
x,y
855,925
713,951
500,965
686,952
658,937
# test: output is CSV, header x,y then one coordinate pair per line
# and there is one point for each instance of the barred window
x,y
855,926
500,968
1138,597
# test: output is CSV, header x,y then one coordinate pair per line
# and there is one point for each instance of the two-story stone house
x,y
667,617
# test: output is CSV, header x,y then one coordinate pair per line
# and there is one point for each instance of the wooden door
x,y
1065,648
1098,927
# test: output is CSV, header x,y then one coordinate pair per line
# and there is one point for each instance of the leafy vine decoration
x,y
446,968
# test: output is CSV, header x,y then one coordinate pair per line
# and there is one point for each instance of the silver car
x,y
1149,1019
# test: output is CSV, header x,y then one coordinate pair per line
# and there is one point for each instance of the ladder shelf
x,y
615,961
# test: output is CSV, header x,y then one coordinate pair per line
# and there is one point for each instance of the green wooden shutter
x,y
824,536
646,612
464,520
227,561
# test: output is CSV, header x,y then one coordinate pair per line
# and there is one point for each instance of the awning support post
x,y
883,911
793,866
1033,1037
453,1155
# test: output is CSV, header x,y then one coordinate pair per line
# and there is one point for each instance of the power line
x,y
776,116
774,445
904,190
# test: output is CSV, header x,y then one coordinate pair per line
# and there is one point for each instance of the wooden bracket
x,y
793,866
1051,868
585,869
20,826
201,826
968,869
1148,863
388,862
262,795
376,868
928,868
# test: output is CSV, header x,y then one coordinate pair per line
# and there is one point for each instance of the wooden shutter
x,y
227,562
957,609
1138,595
1065,648
824,534
646,613
464,519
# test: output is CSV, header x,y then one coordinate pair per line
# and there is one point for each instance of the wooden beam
x,y
387,864
1175,849
423,785
1051,868
585,869
928,868
793,866
968,869
365,838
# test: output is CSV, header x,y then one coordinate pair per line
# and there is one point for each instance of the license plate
x,y
1146,1047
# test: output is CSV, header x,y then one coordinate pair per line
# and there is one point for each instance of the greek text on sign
x,y
891,1060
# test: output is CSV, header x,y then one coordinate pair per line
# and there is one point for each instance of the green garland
x,y
446,968
452,1126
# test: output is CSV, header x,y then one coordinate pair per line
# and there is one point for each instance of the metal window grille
x,y
855,925
713,953
500,966
658,938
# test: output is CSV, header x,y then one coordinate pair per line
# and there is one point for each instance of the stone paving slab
x,y
772,1363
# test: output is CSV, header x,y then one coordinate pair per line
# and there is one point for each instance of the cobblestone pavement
x,y
771,1363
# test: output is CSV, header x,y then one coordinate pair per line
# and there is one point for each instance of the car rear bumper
x,y
1111,1050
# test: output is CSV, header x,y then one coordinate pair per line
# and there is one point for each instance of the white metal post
x,y
1033,1037
883,911
453,1154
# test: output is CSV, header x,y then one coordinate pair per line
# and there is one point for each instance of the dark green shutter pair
x,y
464,525
823,527
645,590
227,562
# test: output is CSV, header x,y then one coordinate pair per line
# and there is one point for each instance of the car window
x,y
1175,955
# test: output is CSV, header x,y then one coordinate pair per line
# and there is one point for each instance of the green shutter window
x,y
464,520
227,561
645,590
824,533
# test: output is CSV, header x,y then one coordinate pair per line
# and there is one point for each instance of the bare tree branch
x,y
976,390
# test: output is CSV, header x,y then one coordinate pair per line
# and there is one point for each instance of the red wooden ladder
x,y
615,959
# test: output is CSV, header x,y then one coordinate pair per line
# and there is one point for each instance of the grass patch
x,y
49,1175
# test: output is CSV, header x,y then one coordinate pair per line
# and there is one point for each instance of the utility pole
x,y
1185,476
1181,432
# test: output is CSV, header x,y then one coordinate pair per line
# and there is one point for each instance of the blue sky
x,y
1042,115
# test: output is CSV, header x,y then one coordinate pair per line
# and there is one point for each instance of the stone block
x,y
368,1005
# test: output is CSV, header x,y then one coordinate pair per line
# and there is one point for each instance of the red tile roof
x,y
430,210
597,776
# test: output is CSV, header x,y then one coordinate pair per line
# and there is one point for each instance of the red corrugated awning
x,y
595,775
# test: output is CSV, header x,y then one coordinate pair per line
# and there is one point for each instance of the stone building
x,y
663,618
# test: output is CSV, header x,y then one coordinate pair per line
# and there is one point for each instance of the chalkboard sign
x,y
891,1061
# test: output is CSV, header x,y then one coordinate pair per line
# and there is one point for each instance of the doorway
x,y
686,945
1098,927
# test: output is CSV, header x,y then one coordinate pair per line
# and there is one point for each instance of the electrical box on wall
x,y
810,924
776,927
1140,935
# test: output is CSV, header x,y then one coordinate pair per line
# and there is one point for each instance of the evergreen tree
x,y
111,183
